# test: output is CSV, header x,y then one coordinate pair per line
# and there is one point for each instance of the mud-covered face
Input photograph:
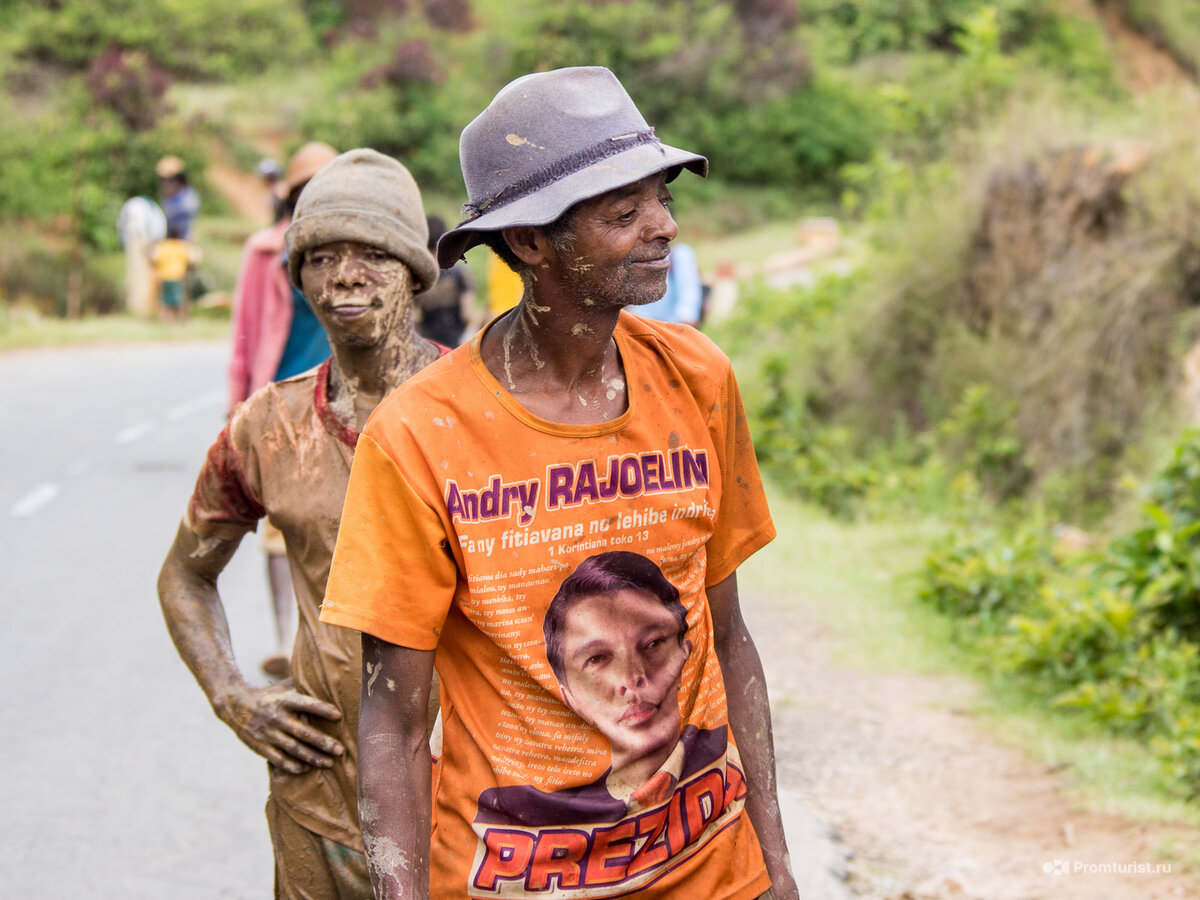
x,y
616,251
623,655
361,294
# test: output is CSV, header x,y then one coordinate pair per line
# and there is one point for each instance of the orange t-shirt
x,y
464,515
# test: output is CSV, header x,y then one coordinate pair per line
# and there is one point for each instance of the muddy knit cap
x,y
366,197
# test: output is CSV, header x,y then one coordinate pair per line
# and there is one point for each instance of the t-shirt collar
x,y
338,427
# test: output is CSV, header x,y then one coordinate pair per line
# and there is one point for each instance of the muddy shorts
x,y
311,867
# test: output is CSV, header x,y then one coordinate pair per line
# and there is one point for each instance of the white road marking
x,y
183,410
133,432
35,500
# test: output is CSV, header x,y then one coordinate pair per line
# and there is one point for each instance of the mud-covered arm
x,y
394,772
270,720
750,721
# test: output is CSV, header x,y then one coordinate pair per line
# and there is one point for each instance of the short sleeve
x,y
222,504
392,574
743,523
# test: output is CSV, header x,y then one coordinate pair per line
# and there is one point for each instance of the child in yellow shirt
x,y
172,259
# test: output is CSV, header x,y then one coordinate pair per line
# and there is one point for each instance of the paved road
x,y
122,783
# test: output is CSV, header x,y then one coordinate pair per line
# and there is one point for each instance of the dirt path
x,y
245,191
1143,65
926,802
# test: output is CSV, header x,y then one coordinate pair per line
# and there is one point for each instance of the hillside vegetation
x,y
1000,346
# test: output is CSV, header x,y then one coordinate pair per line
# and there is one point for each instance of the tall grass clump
x,y
1024,315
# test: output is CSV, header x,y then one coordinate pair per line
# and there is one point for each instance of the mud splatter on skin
x,y
373,670
206,546
384,858
391,685
579,329
525,332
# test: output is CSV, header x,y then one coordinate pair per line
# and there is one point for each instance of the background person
x,y
682,302
173,258
447,308
140,224
272,176
180,202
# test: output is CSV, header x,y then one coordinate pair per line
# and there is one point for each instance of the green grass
x,y
856,579
854,576
1108,773
22,329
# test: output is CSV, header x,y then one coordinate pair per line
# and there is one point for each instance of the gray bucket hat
x,y
547,141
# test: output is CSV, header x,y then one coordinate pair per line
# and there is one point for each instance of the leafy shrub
x,y
402,106
1115,636
980,436
815,461
1160,562
131,84
858,28
216,39
726,79
982,580
38,276
803,138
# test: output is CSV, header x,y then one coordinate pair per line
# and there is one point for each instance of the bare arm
x,y
394,772
271,721
750,720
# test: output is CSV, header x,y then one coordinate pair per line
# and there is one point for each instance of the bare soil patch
x,y
927,802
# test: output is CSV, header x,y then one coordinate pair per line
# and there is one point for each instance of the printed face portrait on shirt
x,y
616,640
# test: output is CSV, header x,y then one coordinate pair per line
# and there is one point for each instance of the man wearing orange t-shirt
x,y
564,433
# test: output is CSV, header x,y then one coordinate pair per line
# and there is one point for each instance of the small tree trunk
x,y
75,264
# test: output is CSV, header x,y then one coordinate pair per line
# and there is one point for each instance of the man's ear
x,y
528,243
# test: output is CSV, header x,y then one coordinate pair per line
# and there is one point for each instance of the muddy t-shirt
x,y
286,455
467,518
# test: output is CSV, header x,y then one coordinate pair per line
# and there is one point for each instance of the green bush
x,y
853,29
216,39
1114,636
732,85
71,168
982,579
398,96
803,138
1160,562
980,436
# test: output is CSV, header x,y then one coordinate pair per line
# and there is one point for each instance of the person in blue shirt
x,y
180,201
682,301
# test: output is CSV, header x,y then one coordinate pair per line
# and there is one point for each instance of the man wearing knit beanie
x,y
356,248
